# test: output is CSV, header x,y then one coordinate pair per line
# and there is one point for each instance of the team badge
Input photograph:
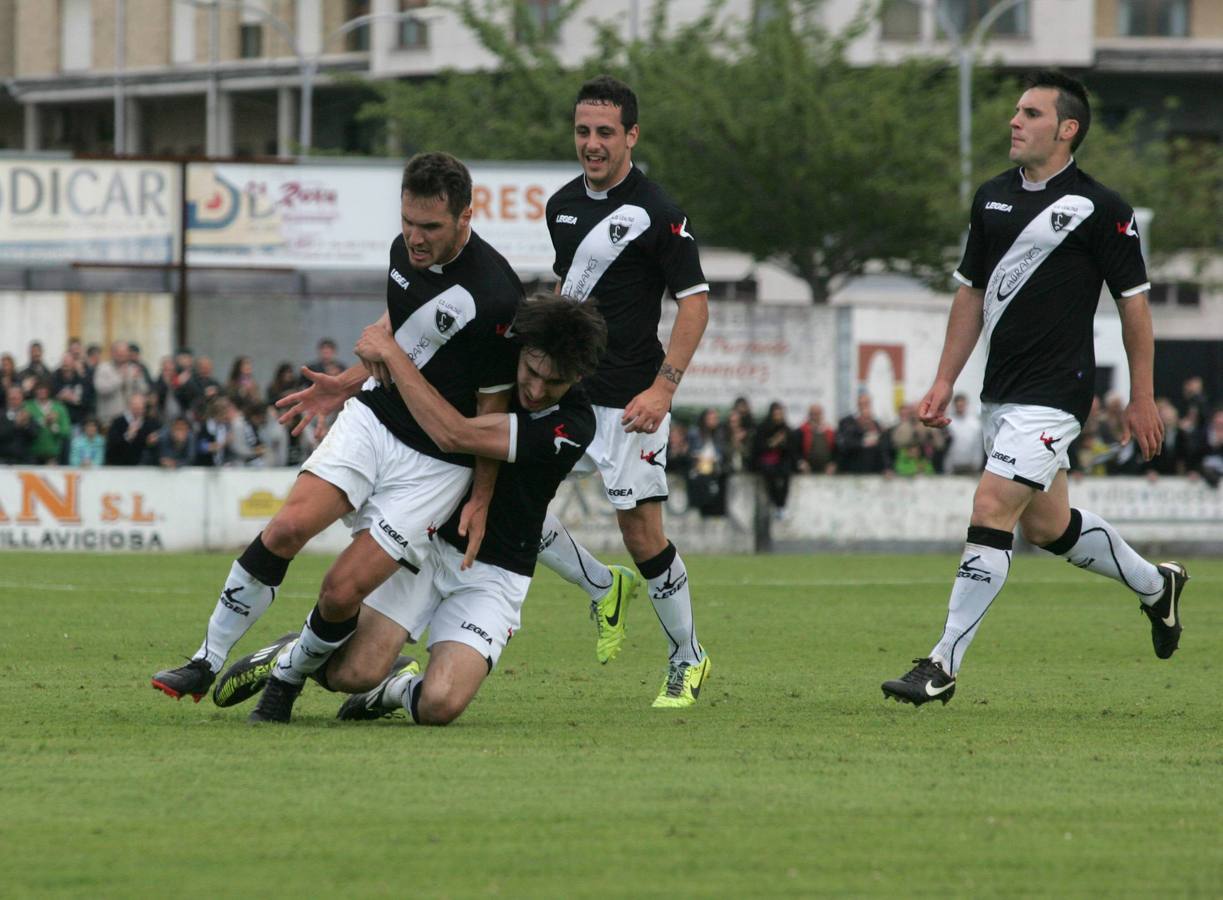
x,y
617,231
1061,220
443,320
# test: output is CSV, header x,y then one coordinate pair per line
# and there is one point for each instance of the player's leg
x,y
1089,542
254,577
363,662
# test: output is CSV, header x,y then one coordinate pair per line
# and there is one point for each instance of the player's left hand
x,y
471,526
375,344
646,411
1143,423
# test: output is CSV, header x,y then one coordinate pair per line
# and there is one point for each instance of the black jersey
x,y
451,320
624,246
544,447
1041,256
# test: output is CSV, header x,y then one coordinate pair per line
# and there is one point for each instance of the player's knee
x,y
286,534
340,596
439,704
352,675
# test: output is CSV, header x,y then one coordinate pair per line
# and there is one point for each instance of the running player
x,y
1042,239
619,236
471,611
450,297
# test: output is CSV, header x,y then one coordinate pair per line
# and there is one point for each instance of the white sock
x,y
571,561
403,690
1092,544
982,573
311,651
667,581
243,600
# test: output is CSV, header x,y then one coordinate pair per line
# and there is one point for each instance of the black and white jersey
x,y
544,447
625,246
1041,252
451,320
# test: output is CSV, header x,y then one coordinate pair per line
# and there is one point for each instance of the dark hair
x,y
429,175
613,92
571,333
326,342
1072,102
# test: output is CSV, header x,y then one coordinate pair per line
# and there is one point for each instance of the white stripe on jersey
x,y
1041,237
434,323
601,247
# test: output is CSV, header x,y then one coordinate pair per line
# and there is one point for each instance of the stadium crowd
x,y
95,409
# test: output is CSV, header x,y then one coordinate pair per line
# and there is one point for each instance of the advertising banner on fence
x,y
83,211
783,353
331,217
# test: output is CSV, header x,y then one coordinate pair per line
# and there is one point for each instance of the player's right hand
x,y
933,407
324,396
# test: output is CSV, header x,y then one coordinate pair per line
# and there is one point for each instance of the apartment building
x,y
225,78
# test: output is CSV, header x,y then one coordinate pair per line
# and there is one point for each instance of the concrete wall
x,y
37,30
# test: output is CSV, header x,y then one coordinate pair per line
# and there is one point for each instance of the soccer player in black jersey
x,y
470,610
1042,239
618,236
450,297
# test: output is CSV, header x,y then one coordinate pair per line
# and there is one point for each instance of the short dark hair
x,y
571,333
1072,102
612,91
430,175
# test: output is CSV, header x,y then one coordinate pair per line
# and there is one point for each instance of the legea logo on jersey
x,y
1001,207
562,219
399,279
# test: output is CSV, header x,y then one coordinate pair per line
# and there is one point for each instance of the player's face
x,y
539,385
1035,133
604,147
432,233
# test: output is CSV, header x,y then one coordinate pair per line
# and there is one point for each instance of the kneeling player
x,y
470,611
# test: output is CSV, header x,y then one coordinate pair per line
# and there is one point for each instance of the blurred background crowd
x,y
92,407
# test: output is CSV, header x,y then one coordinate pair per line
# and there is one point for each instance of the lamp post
x,y
307,66
966,52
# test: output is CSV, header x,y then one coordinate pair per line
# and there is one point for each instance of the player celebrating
x,y
450,296
1042,238
470,612
617,235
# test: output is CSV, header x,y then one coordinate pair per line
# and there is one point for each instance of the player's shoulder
x,y
490,271
654,197
575,406
997,184
571,190
1098,192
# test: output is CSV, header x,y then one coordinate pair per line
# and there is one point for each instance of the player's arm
x,y
1142,418
483,436
645,412
963,330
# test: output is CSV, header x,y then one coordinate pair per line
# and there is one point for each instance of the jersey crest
x,y
601,247
434,323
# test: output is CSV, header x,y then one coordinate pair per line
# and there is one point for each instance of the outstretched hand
x,y
323,396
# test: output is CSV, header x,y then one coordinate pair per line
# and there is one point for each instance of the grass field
x,y
1071,761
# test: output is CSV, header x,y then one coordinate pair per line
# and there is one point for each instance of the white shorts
x,y
632,466
397,493
480,607
1028,444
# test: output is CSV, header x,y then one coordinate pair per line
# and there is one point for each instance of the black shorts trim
x,y
662,498
1028,481
415,570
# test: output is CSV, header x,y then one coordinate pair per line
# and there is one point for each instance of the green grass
x,y
1071,761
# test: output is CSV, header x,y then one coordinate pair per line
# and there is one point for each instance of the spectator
x,y
679,457
116,382
134,358
965,447
212,438
917,449
51,425
285,381
707,477
327,360
245,446
165,389
744,409
132,435
241,387
1195,405
8,373
270,434
34,369
88,447
773,455
1091,450
862,444
176,444
1210,455
200,388
817,443
77,350
16,429
738,442
68,385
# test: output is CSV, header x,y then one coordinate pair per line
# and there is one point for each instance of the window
x,y
536,19
745,291
1153,18
413,33
1179,293
250,40
76,35
965,14
901,20
357,40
